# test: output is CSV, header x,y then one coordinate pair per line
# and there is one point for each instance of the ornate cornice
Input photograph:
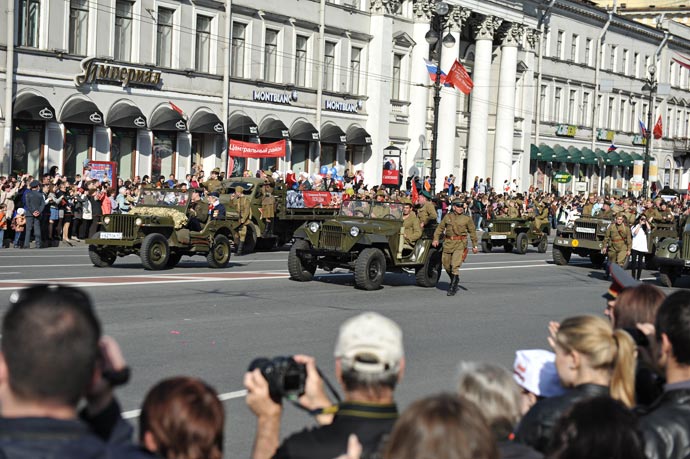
x,y
385,6
512,34
485,27
423,9
457,17
531,38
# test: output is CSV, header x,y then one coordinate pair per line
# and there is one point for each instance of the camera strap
x,y
327,410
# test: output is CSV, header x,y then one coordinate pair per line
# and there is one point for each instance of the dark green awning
x,y
547,153
534,152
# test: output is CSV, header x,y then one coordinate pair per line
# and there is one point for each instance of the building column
x,y
505,112
485,28
530,96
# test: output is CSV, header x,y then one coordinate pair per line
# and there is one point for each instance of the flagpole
x,y
651,86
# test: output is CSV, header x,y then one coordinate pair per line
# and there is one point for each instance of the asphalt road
x,y
211,323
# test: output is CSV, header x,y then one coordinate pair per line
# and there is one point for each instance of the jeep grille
x,y
122,224
331,237
501,227
586,230
686,245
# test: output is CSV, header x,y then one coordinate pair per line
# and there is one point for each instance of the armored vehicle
x,y
510,233
673,257
157,230
584,237
367,238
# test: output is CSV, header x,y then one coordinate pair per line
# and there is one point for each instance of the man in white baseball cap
x,y
369,362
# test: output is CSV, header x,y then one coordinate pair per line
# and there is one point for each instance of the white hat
x,y
535,370
370,343
20,211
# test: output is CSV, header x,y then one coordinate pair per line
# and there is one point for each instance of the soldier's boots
x,y
240,249
453,286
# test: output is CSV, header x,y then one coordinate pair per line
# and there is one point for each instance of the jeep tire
x,y
101,258
370,268
154,252
543,244
522,243
219,255
597,259
486,246
561,256
300,270
667,276
428,274
174,259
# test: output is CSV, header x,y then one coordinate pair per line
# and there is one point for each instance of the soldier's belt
x,y
456,238
616,240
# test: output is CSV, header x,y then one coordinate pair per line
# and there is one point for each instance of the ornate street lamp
x,y
439,24
650,85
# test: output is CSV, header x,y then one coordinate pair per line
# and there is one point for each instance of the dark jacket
x,y
34,201
371,424
537,425
666,426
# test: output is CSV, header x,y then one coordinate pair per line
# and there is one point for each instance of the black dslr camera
x,y
285,377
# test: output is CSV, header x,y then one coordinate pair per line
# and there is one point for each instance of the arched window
x,y
667,173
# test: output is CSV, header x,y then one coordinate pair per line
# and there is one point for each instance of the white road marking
x,y
44,266
132,414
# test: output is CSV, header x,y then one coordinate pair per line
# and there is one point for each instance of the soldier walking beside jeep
x,y
617,241
456,225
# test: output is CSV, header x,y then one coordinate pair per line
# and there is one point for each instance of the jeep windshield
x,y
162,198
368,209
248,187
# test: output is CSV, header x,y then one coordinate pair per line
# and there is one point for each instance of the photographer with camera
x,y
53,356
369,362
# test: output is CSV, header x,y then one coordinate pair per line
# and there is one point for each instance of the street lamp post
x,y
650,85
438,25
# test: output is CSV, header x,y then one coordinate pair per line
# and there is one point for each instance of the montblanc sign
x,y
274,97
100,71
346,107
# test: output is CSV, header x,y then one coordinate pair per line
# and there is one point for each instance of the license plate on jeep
x,y
499,236
111,235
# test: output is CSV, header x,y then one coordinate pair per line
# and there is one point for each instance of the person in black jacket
x,y
666,423
34,203
592,360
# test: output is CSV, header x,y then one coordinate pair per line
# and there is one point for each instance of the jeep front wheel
x,y
219,256
370,268
486,246
667,276
154,252
522,243
101,258
300,269
543,244
561,256
428,275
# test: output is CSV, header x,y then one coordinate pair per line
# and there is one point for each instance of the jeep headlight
x,y
570,225
673,248
491,225
513,225
354,231
106,220
139,221
313,227
603,227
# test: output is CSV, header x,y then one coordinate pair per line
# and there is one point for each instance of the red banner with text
x,y
256,150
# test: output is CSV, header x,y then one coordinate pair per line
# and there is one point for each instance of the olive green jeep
x,y
514,233
157,229
672,257
584,237
367,238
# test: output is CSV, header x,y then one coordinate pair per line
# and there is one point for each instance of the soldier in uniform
x,y
268,205
427,211
213,184
216,210
412,230
456,225
588,208
244,211
606,212
666,214
651,212
379,210
617,241
541,220
197,211
512,211
629,213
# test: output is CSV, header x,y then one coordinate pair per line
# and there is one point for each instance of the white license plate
x,y
586,230
499,236
111,235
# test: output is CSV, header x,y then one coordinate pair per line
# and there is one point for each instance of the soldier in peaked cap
x,y
456,225
618,241
427,211
243,209
412,230
213,184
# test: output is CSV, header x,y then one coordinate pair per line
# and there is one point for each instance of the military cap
x,y
457,202
426,194
406,201
34,184
620,280
215,194
381,193
216,170
239,189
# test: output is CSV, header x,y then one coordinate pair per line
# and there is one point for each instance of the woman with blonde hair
x,y
592,360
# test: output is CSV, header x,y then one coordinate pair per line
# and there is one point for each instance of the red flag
x,y
658,129
176,108
415,193
459,78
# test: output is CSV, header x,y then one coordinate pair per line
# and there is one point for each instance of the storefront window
x,y
300,154
267,163
354,156
122,151
77,149
328,155
26,148
163,154
238,166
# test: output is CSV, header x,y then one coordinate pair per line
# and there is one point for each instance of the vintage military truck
x,y
584,237
366,238
518,233
673,257
660,231
157,230
290,211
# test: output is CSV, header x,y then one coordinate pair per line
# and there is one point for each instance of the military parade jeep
x,y
673,257
512,233
156,230
660,231
367,238
584,237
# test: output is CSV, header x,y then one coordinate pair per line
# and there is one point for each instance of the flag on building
x,y
177,109
643,129
612,148
432,68
459,78
658,129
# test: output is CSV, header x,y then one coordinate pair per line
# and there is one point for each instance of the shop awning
x,y
304,131
609,158
81,111
125,114
273,129
358,136
240,125
331,133
547,153
562,155
31,106
534,152
637,157
167,119
588,156
626,158
206,122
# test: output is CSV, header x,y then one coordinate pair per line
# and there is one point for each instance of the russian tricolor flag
x,y
643,128
431,68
